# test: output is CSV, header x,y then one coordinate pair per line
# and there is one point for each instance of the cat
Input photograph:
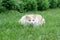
x,y
32,19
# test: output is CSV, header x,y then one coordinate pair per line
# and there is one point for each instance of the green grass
x,y
10,29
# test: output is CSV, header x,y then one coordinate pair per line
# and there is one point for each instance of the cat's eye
x,y
29,20
33,20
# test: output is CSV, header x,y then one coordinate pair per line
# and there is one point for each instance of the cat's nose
x,y
31,23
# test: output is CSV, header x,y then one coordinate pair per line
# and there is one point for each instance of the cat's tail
x,y
44,20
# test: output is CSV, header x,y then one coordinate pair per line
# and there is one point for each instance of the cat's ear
x,y
27,17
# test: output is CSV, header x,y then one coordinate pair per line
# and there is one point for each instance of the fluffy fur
x,y
32,19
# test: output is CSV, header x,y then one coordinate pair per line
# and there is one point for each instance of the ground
x,y
10,29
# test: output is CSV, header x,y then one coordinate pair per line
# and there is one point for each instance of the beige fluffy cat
x,y
33,19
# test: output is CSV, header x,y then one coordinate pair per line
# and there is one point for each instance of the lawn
x,y
10,29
